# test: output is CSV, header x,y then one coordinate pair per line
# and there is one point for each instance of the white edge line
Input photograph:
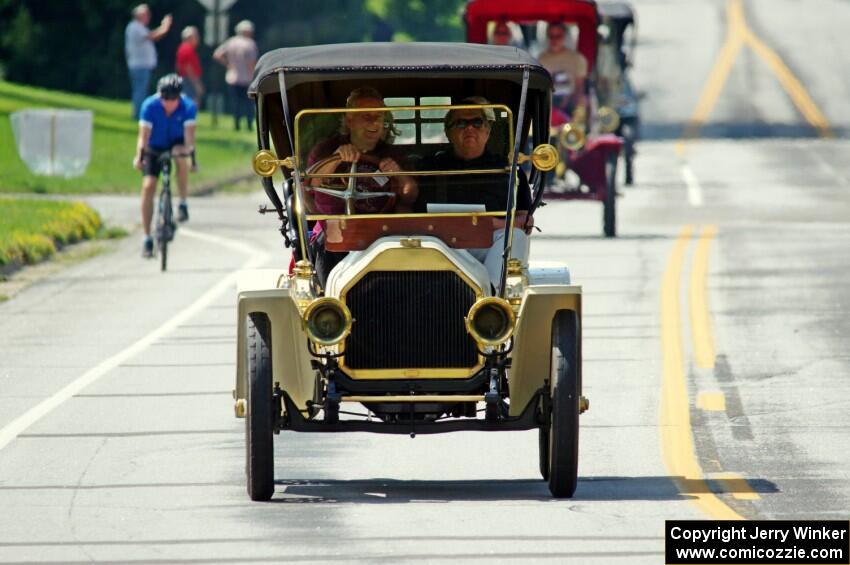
x,y
692,183
12,430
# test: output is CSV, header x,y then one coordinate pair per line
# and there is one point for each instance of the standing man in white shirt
x,y
239,54
141,53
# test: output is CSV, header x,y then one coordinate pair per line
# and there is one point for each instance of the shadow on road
x,y
391,491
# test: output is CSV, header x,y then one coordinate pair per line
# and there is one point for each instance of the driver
x,y
363,133
468,131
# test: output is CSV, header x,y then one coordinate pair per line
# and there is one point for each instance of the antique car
x,y
589,148
618,36
409,332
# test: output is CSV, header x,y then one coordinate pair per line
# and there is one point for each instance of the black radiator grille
x,y
410,319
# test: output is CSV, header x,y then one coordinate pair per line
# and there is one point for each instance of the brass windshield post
x,y
299,209
513,181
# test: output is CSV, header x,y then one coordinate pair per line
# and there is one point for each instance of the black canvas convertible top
x,y
383,60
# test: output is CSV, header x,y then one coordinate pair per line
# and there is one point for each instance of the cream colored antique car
x,y
410,309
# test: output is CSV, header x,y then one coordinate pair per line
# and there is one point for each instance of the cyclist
x,y
166,123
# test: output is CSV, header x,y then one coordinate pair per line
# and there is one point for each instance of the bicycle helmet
x,y
170,86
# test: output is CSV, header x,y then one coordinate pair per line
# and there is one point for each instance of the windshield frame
x,y
389,109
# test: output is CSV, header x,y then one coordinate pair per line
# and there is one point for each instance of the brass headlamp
x,y
491,321
327,321
608,119
571,137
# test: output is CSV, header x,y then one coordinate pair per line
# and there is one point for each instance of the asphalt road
x,y
720,312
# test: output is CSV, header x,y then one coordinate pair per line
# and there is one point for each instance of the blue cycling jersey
x,y
166,131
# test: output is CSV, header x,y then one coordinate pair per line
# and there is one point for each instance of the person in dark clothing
x,y
469,130
487,189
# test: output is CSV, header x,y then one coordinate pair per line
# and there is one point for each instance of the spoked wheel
x,y
164,227
609,213
259,442
565,390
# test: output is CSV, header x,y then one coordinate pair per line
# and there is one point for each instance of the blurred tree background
x,y
78,45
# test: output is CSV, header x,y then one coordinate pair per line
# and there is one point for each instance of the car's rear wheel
x,y
259,443
565,390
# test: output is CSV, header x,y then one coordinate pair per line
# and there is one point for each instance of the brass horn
x,y
609,119
265,163
571,137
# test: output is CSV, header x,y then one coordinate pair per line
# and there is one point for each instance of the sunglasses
x,y
557,36
462,123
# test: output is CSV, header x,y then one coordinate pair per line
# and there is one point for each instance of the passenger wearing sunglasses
x,y
567,67
468,131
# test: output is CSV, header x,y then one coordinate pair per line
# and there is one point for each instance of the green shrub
x,y
32,229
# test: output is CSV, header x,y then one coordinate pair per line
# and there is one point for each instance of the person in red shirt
x,y
188,64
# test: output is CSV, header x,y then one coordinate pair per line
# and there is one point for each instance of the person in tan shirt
x,y
239,54
567,67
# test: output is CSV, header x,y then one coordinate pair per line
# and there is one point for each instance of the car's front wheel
x,y
259,443
565,390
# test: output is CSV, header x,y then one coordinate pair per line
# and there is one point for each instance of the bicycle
x,y
165,225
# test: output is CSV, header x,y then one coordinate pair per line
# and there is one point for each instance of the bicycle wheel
x,y
163,226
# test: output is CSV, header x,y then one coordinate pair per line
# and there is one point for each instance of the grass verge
x,y
222,153
33,230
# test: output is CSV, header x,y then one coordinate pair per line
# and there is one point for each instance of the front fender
x,y
263,292
532,352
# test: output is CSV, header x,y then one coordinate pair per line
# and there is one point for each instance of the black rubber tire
x,y
259,438
609,212
565,390
163,228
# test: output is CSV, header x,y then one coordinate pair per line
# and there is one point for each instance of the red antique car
x,y
587,147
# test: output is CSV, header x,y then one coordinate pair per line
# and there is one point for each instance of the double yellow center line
x,y
676,433
738,35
